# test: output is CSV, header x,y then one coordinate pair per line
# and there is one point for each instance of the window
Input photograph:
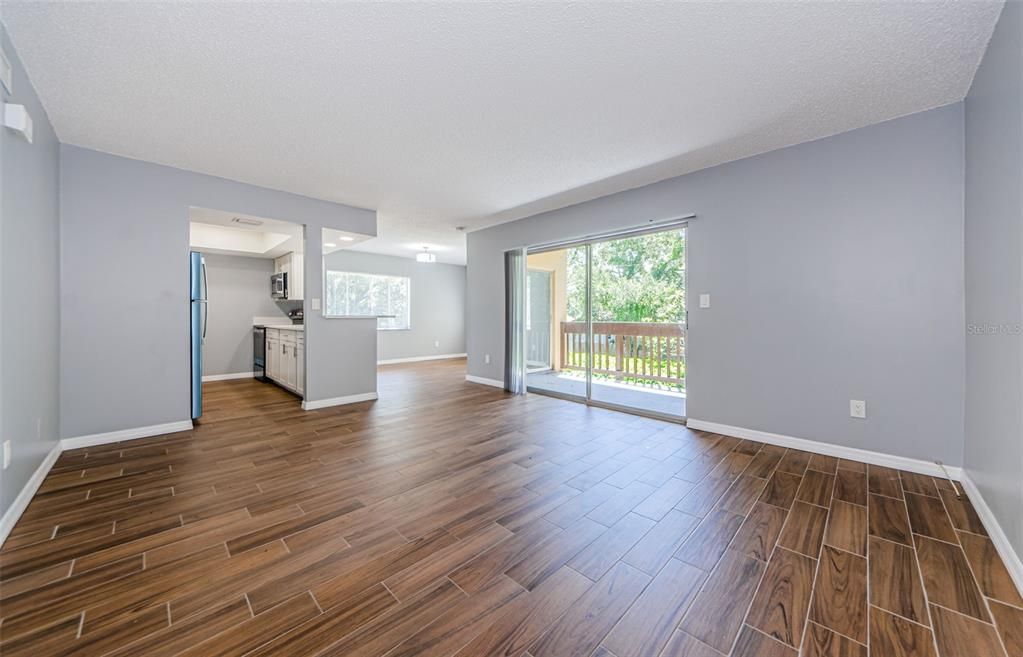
x,y
349,293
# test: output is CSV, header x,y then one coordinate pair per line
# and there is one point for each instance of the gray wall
x,y
239,289
835,270
994,278
438,303
124,289
29,288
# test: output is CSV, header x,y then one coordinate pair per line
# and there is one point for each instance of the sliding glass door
x,y
606,322
638,315
555,327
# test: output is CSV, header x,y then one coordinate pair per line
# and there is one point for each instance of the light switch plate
x,y
857,408
705,301
7,454
316,303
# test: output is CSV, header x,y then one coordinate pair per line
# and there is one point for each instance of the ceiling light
x,y
330,245
426,256
247,222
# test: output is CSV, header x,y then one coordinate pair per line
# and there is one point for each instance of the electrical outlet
x,y
486,358
857,408
7,454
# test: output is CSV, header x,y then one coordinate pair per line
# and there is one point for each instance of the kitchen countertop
x,y
285,327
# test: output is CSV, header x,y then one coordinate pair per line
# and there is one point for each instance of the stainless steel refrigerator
x,y
199,309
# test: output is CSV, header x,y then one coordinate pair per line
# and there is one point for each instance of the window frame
x,y
408,303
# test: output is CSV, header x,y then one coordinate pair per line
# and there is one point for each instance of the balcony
x,y
635,364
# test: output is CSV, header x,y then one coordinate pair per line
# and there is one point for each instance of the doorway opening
x,y
605,322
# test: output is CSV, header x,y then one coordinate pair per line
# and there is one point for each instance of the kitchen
x,y
248,301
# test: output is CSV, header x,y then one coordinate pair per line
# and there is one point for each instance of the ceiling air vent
x,y
247,222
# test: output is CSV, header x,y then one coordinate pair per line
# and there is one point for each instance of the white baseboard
x,y
829,449
487,382
417,359
1012,561
227,377
125,434
20,503
338,401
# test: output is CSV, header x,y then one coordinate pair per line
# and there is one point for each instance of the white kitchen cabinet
x,y
300,366
289,367
273,354
292,264
285,359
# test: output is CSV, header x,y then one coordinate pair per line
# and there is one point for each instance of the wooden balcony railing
x,y
627,350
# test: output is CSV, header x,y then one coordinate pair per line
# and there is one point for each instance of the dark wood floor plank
x,y
781,489
958,635
590,619
765,462
819,641
895,584
989,570
781,603
888,519
534,568
718,612
927,517
256,631
794,461
664,499
198,628
961,512
653,550
600,555
884,481
851,486
947,578
460,625
705,546
417,576
684,645
529,615
1009,621
816,488
621,503
650,621
840,594
918,484
804,529
580,505
759,532
896,636
847,528
752,643
474,575
395,625
823,463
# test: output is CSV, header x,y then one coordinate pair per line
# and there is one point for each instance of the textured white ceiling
x,y
468,114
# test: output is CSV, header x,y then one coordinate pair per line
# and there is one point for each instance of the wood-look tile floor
x,y
449,518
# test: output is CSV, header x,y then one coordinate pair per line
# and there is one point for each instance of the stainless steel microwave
x,y
279,286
